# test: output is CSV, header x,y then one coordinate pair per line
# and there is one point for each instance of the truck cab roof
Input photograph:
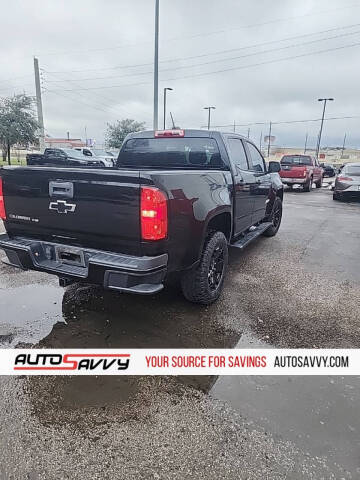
x,y
188,132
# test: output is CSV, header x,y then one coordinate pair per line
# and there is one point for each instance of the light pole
x,y
156,67
325,100
209,110
165,90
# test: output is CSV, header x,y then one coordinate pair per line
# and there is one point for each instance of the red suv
x,y
301,170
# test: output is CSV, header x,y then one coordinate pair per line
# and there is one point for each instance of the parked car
x,y
174,203
329,170
347,183
62,157
301,170
107,158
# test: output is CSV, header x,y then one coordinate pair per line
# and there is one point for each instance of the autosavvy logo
x,y
97,362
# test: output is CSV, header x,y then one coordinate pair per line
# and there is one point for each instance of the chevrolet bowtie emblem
x,y
61,206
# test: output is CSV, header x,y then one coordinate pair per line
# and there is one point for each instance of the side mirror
x,y
274,167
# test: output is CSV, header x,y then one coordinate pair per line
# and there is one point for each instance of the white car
x,y
107,158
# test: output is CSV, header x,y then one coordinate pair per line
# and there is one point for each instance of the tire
x,y
204,283
308,186
319,183
275,218
336,196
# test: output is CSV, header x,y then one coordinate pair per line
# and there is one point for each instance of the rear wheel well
x,y
221,223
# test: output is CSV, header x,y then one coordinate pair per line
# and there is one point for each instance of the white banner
x,y
179,362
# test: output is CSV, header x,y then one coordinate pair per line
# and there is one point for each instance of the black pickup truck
x,y
62,157
174,203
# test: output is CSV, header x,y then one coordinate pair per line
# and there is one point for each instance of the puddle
x,y
95,318
24,315
320,415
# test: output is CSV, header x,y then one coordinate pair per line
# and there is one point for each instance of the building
x,y
63,142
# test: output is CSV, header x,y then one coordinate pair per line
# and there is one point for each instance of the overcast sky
x,y
255,61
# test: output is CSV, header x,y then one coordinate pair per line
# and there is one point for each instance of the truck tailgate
x,y
289,171
90,207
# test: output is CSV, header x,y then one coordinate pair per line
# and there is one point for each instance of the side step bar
x,y
250,236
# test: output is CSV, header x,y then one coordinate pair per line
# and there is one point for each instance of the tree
x,y
117,132
17,123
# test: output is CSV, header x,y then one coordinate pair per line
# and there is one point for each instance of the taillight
x,y
153,214
2,204
345,179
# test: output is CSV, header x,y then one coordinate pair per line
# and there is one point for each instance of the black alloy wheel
x,y
216,268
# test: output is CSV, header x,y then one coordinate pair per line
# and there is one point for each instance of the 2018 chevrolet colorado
x,y
175,202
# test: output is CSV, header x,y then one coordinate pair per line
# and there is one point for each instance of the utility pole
x,y
343,147
306,140
209,110
156,68
234,126
86,142
68,135
269,140
260,140
39,104
165,90
325,100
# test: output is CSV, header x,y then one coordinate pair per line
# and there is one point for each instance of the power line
x,y
226,30
205,34
220,52
76,100
283,122
264,63
222,59
226,69
97,94
13,88
15,78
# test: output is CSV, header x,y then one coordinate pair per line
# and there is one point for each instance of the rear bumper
x,y
143,275
350,189
292,181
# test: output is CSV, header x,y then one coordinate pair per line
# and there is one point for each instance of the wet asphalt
x,y
298,289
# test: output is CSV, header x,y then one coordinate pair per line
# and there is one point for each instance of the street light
x,y
209,109
325,100
165,90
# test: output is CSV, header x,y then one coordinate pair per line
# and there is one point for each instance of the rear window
x,y
171,153
353,170
295,160
53,151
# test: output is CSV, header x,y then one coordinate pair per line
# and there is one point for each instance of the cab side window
x,y
256,159
237,153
